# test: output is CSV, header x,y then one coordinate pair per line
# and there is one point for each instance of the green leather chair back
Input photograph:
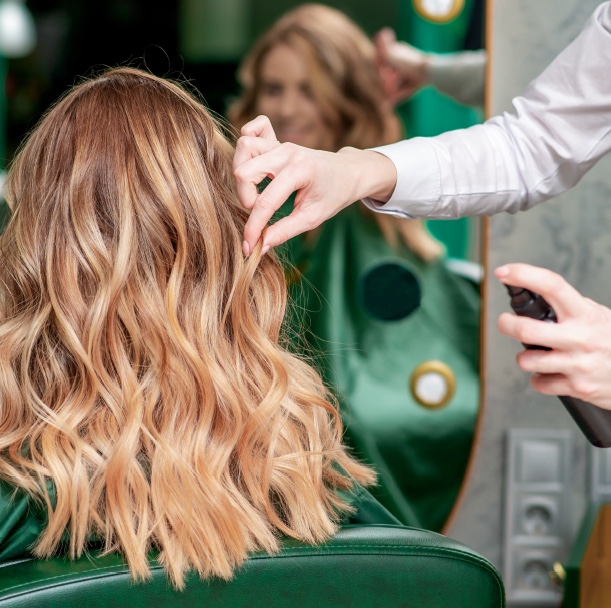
x,y
362,566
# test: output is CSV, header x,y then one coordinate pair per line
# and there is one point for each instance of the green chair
x,y
362,566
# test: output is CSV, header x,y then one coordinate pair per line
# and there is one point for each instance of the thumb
x,y
382,40
385,36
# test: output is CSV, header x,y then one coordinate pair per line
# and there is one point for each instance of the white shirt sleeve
x,y
460,75
560,127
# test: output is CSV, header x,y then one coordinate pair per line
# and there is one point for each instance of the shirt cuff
x,y
418,179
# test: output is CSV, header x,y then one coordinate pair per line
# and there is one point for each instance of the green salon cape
x,y
22,519
369,316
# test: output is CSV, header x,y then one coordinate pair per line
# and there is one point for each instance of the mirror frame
x,y
484,247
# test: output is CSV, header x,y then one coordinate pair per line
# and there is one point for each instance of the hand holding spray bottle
x,y
594,422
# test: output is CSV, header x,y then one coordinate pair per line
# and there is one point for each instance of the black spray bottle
x,y
594,422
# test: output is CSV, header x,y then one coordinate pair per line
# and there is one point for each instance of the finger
x,y
387,33
532,331
563,298
249,174
260,126
384,38
551,384
404,91
389,80
382,43
249,147
297,222
266,204
545,362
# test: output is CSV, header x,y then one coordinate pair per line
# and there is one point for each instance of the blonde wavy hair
x,y
144,396
346,85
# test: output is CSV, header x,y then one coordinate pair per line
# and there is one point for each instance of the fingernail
x,y
245,249
265,250
501,271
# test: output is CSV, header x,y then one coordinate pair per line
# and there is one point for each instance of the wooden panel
x,y
595,588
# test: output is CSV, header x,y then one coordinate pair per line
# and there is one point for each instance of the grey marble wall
x,y
570,235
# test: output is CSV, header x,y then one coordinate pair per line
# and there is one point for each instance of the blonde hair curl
x,y
144,396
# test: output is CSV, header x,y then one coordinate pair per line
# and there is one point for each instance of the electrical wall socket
x,y
532,568
537,514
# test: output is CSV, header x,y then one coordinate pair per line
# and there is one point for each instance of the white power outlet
x,y
538,516
537,512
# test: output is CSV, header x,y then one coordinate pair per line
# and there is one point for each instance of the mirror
x,y
392,326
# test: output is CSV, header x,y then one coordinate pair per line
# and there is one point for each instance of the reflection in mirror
x,y
388,312
380,303
439,10
448,95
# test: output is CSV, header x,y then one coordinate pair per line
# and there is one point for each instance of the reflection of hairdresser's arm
x,y
461,76
561,127
405,69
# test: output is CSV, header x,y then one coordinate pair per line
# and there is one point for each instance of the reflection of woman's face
x,y
286,97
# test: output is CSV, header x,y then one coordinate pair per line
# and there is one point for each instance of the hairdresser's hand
x,y
325,182
579,364
403,68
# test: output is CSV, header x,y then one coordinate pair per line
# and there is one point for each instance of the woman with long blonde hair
x,y
380,304
145,399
